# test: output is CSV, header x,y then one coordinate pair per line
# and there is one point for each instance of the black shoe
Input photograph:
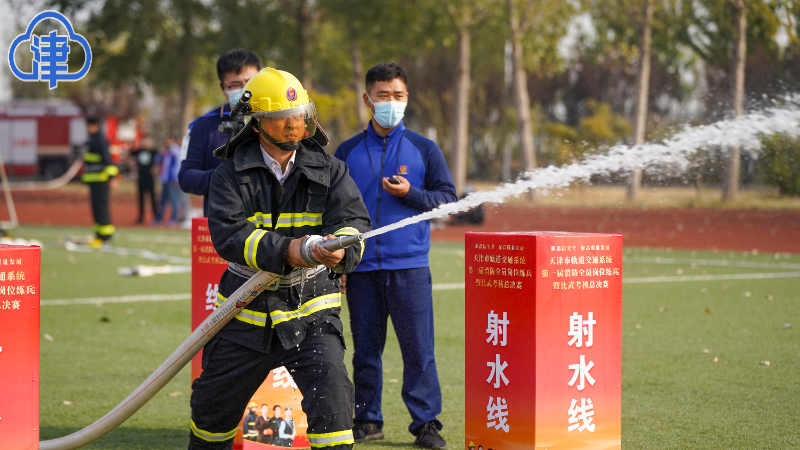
x,y
428,437
366,431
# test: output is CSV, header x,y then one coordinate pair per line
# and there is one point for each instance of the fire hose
x,y
186,351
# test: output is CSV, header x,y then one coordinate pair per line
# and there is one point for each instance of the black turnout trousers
x,y
232,373
101,211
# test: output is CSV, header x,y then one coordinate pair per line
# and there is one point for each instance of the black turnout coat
x,y
253,218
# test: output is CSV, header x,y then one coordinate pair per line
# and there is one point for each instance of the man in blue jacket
x,y
400,174
206,133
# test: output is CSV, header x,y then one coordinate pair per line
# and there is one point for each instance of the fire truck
x,y
44,137
40,137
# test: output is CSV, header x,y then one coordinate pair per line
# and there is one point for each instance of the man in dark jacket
x,y
277,188
400,174
146,157
208,131
98,172
274,424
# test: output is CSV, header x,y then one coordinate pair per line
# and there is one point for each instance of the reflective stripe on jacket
x,y
253,218
97,163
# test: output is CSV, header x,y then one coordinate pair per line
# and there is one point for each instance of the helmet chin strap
x,y
288,146
285,146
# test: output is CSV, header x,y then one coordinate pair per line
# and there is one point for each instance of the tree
x,y
725,35
150,42
730,189
520,81
464,14
643,91
306,13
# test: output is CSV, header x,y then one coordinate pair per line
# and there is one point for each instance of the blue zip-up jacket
x,y
197,160
370,157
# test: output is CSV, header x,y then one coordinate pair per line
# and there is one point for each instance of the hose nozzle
x,y
307,247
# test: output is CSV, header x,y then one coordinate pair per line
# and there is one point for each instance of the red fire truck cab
x,y
40,137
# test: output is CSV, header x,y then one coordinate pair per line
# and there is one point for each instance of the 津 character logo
x,y
50,52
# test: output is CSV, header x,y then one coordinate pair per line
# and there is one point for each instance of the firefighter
x,y
275,187
99,172
249,423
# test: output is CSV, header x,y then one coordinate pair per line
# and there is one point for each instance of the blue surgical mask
x,y
234,95
388,114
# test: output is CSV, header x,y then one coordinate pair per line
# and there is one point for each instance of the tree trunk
x,y
359,83
187,103
461,122
305,20
730,189
187,68
701,168
521,97
643,88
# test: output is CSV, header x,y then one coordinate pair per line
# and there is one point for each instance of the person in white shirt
x,y
288,430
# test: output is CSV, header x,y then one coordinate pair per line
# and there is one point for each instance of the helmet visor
x,y
288,125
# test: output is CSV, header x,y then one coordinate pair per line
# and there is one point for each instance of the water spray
x,y
673,155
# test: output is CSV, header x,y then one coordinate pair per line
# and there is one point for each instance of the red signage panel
x,y
19,347
207,269
543,334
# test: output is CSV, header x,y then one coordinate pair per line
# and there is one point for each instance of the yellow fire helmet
x,y
252,405
283,112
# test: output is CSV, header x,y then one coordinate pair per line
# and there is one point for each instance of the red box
x,y
543,334
207,268
19,347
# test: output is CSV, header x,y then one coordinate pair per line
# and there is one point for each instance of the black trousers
x,y
101,210
147,189
232,374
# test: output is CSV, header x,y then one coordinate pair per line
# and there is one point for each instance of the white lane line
x,y
141,253
734,276
171,297
158,239
711,262
123,299
436,287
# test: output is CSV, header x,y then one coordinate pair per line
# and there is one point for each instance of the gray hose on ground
x,y
179,358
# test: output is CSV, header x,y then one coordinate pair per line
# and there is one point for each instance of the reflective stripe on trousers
x,y
331,439
104,230
211,437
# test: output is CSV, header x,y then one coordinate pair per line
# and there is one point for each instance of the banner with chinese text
x,y
543,334
19,347
277,390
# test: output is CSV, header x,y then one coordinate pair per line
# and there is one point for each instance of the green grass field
x,y
692,348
